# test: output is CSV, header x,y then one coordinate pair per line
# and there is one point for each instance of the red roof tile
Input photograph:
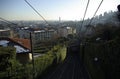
x,y
23,42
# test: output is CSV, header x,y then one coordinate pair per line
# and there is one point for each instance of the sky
x,y
53,9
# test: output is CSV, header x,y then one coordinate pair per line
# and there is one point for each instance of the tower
x,y
59,19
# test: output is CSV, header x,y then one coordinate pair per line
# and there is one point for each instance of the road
x,y
71,68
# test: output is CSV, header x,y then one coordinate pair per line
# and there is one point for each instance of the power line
x,y
36,11
95,12
84,14
87,28
6,21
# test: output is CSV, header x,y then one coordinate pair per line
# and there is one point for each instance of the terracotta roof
x,y
23,42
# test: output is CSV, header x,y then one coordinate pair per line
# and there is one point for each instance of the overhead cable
x,y
36,11
6,21
84,15
95,13
87,28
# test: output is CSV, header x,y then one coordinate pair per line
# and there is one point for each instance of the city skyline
x,y
53,9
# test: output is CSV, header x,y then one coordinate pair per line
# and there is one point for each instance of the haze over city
x,y
59,39
53,9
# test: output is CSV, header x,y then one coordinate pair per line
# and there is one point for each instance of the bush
x,y
53,57
10,68
108,64
7,58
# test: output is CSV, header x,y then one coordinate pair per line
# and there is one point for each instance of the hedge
x,y
53,57
108,64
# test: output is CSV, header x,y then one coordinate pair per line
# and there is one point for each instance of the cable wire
x,y
84,14
95,12
87,28
36,11
6,21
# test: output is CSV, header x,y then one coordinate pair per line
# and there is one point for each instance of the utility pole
x,y
118,12
83,50
118,8
31,42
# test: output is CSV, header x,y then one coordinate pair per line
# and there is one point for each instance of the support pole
x,y
31,42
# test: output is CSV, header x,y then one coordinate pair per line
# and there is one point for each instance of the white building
x,y
42,35
6,33
65,31
38,34
24,33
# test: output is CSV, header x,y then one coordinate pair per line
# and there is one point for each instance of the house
x,y
65,31
23,48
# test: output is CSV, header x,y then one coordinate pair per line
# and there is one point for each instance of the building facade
x,y
6,33
38,34
65,31
43,35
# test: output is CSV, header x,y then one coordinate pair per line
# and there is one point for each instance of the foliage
x,y
7,56
53,57
10,68
106,50
105,32
108,54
